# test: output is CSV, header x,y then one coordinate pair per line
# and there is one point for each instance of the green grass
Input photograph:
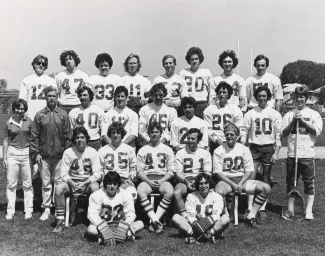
x,y
276,237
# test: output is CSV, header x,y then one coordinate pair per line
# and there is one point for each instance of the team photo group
x,y
190,141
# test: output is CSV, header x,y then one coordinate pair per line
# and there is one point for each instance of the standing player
x,y
199,80
182,124
69,80
310,126
262,126
156,111
121,113
204,212
155,168
228,61
80,171
175,85
105,83
137,85
190,161
32,88
111,212
233,166
90,116
119,157
219,114
261,63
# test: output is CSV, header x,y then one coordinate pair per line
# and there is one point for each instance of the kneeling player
x,y
233,166
155,163
190,161
111,213
204,209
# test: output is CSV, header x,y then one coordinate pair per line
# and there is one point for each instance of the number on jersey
x,y
76,167
92,120
100,92
207,211
149,161
217,119
230,164
41,95
122,161
199,83
263,127
160,118
110,214
188,165
133,88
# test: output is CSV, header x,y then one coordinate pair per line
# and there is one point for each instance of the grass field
x,y
276,237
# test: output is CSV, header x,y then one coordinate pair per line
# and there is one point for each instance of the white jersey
x,y
176,89
127,117
138,85
190,164
153,113
236,82
121,160
232,162
263,126
68,84
217,117
156,160
111,209
181,125
306,143
198,83
268,79
80,166
211,205
92,118
32,90
103,88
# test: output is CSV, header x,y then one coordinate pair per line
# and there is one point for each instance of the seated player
x,y
310,126
155,170
156,111
111,213
219,114
233,166
199,80
121,113
204,212
190,161
90,116
80,171
182,124
262,126
119,157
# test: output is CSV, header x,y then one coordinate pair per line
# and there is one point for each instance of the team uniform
x,y
153,113
138,86
180,127
176,89
269,80
32,90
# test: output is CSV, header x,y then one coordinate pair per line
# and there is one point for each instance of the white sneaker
x,y
10,216
28,215
309,216
45,215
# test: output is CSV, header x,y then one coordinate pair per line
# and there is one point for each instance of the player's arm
x,y
179,167
289,121
132,165
5,146
103,125
242,95
210,85
174,140
277,134
141,158
207,164
128,209
212,92
34,139
190,207
64,169
247,125
170,162
143,125
278,95
208,119
316,125
23,93
217,207
72,119
134,125
94,209
183,89
248,90
248,168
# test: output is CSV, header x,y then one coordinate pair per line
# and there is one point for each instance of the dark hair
x,y
188,101
153,125
195,130
85,88
261,57
156,87
302,90
71,53
200,177
112,176
16,104
263,88
120,89
228,53
126,62
167,57
224,85
51,89
104,57
194,50
38,58
118,127
77,130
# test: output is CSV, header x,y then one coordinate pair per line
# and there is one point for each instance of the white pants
x,y
18,159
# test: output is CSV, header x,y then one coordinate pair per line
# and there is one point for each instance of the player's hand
x,y
80,185
153,184
39,159
234,187
274,158
239,188
189,184
198,216
71,184
5,163
159,183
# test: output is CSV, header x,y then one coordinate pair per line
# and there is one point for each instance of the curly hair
x,y
228,53
38,58
156,87
224,85
126,62
195,130
112,176
200,177
104,57
167,57
261,57
263,88
71,53
85,88
77,130
302,90
188,101
194,50
16,104
118,127
153,125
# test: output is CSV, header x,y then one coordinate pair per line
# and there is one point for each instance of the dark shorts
x,y
200,107
94,144
306,168
262,154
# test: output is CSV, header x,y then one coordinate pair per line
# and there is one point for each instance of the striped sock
x,y
259,200
162,207
148,209
60,213
121,231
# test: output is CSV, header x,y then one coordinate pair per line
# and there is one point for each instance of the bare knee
x,y
94,186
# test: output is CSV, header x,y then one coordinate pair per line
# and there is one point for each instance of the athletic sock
x,y
310,202
263,206
291,203
60,213
148,209
259,200
250,199
162,207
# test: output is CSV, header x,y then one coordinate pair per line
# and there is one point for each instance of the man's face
x,y
70,62
80,142
188,111
261,67
300,101
155,135
116,137
231,138
39,67
227,64
204,187
223,94
262,99
51,98
111,188
104,68
169,66
120,100
192,141
158,97
84,98
195,61
133,66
